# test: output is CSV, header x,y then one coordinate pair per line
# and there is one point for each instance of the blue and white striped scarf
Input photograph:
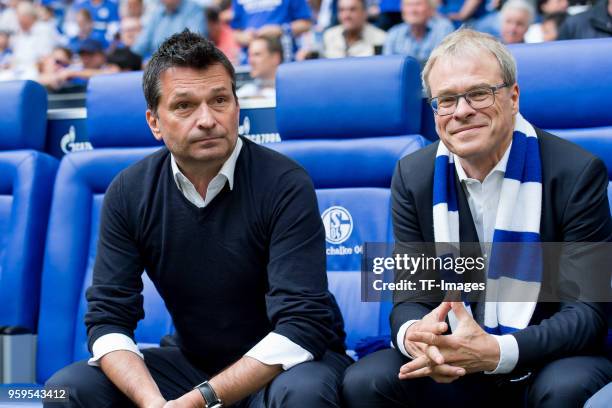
x,y
518,220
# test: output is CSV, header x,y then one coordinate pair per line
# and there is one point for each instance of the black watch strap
x,y
210,396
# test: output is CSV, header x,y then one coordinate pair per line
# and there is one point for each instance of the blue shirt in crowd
x,y
164,23
102,14
453,6
400,40
75,42
257,13
393,6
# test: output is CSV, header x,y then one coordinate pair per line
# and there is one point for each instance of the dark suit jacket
x,y
574,209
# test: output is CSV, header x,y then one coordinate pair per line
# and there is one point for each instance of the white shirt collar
x,y
227,170
499,167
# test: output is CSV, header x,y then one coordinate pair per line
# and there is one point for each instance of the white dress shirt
x,y
483,200
273,348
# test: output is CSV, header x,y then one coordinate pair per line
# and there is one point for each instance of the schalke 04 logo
x,y
338,224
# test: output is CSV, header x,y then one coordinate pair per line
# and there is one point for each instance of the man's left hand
x,y
469,347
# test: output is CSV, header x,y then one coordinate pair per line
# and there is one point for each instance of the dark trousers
x,y
310,384
373,382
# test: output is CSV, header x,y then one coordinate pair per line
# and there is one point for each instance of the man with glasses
x,y
492,178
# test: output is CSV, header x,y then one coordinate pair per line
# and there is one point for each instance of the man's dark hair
x,y
273,45
212,14
125,59
185,50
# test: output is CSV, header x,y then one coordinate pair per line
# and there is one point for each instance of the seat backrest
x,y
352,185
570,99
598,144
348,122
348,98
120,136
564,84
25,197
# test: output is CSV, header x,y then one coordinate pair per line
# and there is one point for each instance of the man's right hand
x,y
430,356
433,322
129,373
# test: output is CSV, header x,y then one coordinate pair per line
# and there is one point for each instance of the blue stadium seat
x,y
116,125
26,183
565,88
348,98
348,122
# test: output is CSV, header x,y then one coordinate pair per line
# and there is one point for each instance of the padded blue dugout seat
x,y
26,183
82,180
565,89
348,122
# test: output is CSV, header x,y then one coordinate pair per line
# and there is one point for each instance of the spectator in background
x,y
282,18
104,13
31,42
220,33
265,55
551,24
5,49
516,16
172,17
52,67
58,72
93,62
354,37
8,16
46,16
124,60
593,23
132,8
86,31
420,32
129,30
92,54
545,8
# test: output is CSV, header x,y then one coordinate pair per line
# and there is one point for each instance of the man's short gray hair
x,y
519,5
468,42
432,3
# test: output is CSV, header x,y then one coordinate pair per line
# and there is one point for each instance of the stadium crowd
x,y
62,43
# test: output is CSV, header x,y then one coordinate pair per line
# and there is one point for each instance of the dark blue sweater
x,y
250,262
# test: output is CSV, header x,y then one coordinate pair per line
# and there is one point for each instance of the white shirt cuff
x,y
277,349
401,334
112,342
508,354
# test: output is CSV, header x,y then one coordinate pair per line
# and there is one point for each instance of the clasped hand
x,y
445,358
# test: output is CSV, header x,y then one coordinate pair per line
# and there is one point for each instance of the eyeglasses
x,y
479,98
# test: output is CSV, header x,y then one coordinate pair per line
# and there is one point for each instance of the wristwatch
x,y
210,396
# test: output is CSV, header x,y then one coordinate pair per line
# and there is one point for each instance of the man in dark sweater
x,y
230,234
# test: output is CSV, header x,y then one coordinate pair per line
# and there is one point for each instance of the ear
x,y
514,96
153,122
